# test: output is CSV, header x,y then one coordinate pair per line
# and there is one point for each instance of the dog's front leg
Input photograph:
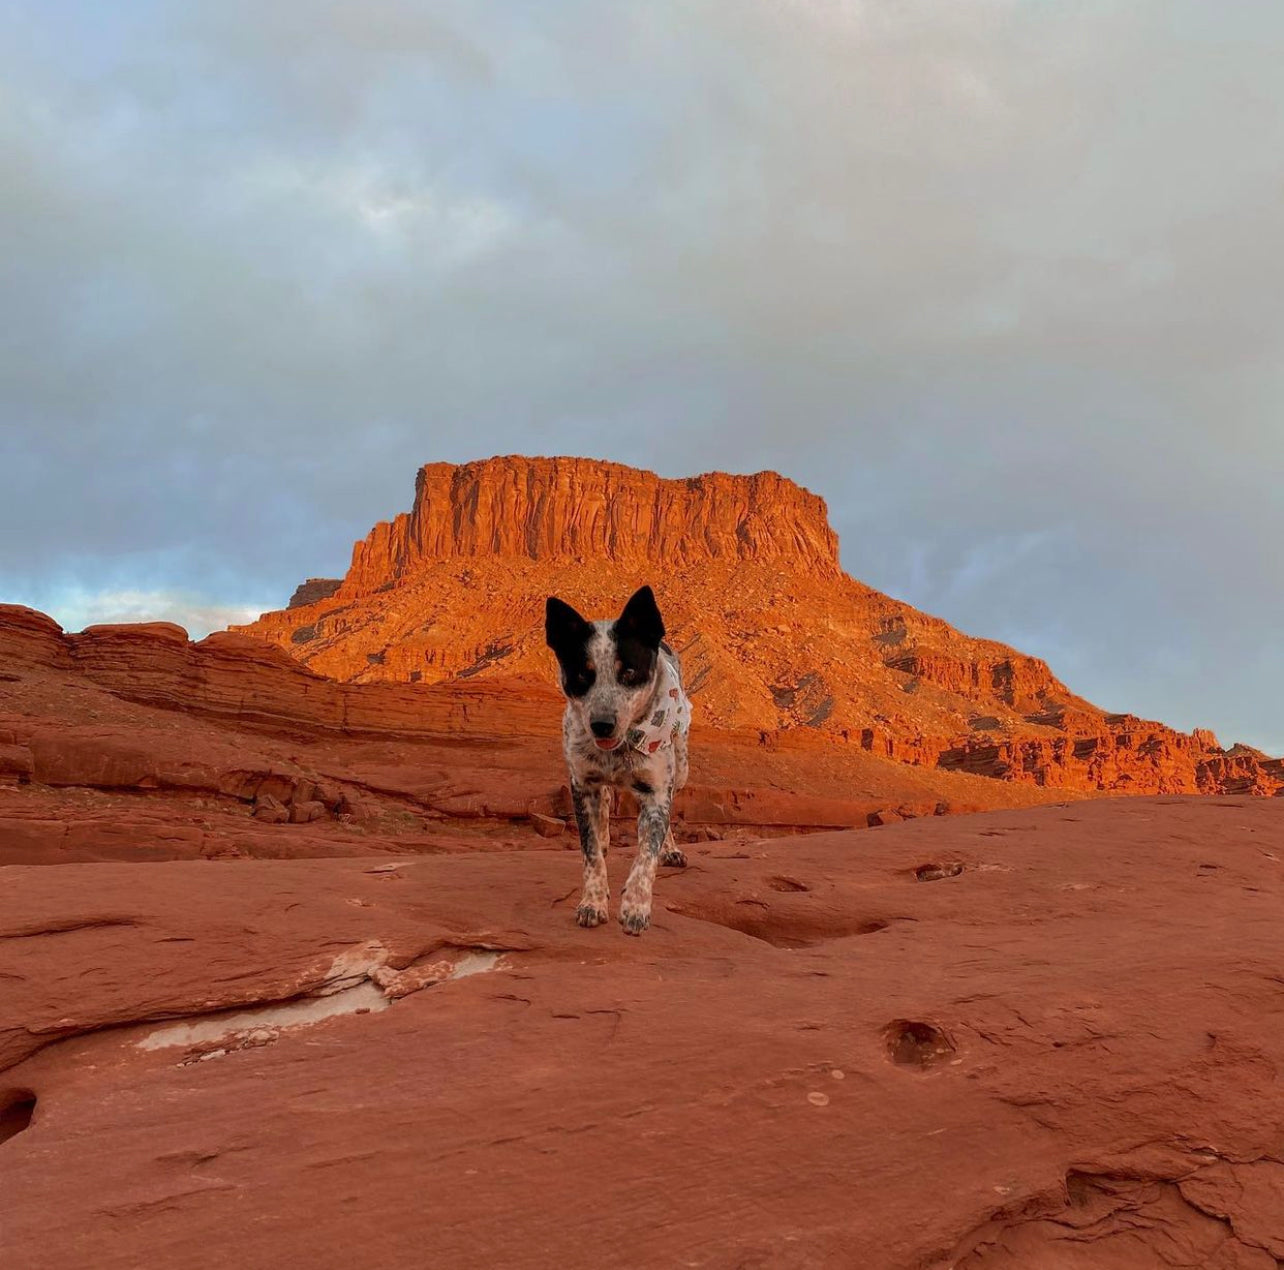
x,y
653,834
592,804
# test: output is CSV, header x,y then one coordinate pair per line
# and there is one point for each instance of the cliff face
x,y
774,636
314,590
579,511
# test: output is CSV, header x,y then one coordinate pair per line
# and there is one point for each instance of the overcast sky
x,y
1003,280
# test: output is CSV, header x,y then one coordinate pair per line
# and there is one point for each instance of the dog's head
x,y
608,668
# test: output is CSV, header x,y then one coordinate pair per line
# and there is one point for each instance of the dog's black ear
x,y
564,629
641,619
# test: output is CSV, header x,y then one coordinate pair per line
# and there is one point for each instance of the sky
x,y
1002,280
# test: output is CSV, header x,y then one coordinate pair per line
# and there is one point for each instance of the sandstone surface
x,y
1036,1039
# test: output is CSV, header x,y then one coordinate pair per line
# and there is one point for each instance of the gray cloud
x,y
1000,280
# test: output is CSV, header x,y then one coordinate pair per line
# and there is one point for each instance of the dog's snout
x,y
602,727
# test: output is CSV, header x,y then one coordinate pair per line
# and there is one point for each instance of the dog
x,y
625,727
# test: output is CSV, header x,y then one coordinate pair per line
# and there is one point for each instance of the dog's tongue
x,y
606,745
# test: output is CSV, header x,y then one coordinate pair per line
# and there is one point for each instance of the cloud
x,y
999,280
75,608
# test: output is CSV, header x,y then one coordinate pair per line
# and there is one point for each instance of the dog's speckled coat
x,y
619,677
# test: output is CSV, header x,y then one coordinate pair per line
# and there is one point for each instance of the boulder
x,y
270,810
304,813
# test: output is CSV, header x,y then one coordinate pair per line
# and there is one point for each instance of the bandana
x,y
670,715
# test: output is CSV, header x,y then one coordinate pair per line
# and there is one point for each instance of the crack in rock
x,y
262,1023
359,981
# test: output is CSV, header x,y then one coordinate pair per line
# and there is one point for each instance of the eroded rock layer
x,y
775,637
133,743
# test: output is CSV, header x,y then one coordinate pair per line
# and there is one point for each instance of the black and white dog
x,y
625,727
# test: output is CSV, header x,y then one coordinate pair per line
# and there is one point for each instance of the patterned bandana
x,y
670,717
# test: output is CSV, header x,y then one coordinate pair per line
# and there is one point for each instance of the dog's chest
x,y
624,767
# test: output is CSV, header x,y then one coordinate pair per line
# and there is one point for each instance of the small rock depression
x,y
935,872
914,1044
17,1106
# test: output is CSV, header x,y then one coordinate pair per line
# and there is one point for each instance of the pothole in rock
x,y
911,1043
17,1106
935,872
782,929
378,986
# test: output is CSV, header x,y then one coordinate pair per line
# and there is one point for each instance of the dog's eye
x,y
630,678
579,682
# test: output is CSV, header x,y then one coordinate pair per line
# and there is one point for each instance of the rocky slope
x,y
133,743
1044,1039
776,639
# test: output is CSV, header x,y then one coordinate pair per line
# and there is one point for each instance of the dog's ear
x,y
564,629
641,619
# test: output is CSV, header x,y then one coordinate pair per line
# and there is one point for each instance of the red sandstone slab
x,y
1061,1055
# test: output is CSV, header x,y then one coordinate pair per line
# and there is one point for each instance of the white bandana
x,y
669,717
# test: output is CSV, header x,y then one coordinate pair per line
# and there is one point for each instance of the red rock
x,y
884,816
356,808
747,567
270,810
330,796
578,509
313,591
204,729
797,1028
30,638
16,765
702,833
809,1019
546,826
119,634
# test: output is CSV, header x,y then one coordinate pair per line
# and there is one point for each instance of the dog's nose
x,y
602,727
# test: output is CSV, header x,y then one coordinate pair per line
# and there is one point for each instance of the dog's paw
x,y
634,918
590,915
673,857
